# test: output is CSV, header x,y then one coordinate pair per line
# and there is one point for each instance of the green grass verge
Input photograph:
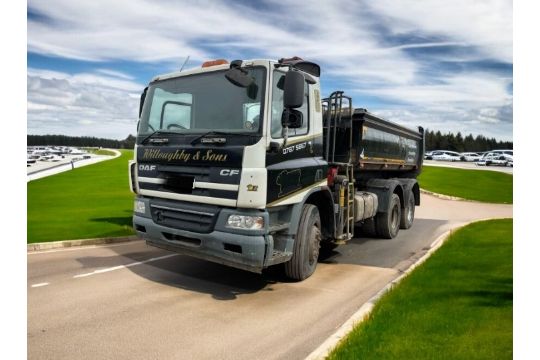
x,y
457,305
88,202
479,185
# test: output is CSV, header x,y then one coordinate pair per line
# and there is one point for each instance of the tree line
x,y
458,143
80,141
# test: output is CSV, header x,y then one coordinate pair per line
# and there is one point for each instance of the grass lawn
x,y
88,202
457,305
479,185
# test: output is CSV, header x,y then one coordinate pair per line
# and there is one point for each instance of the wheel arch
x,y
384,188
398,190
322,199
416,191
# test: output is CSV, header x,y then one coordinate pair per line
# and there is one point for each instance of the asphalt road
x,y
131,301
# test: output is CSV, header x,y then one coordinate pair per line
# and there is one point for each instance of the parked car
x,y
445,155
496,158
470,156
503,152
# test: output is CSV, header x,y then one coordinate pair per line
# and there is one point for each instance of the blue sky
x,y
446,66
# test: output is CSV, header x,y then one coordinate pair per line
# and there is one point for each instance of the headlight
x,y
140,207
245,222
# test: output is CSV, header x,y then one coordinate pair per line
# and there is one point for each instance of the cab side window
x,y
277,108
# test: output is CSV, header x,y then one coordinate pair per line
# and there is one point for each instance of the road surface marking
x,y
40,285
100,271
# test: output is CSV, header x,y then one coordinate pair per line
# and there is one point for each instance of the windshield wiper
x,y
157,132
213,132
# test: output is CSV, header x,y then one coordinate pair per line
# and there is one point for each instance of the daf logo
x,y
229,172
147,167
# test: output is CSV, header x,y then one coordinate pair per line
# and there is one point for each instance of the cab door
x,y
294,165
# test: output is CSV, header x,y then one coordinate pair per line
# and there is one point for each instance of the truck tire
x,y
387,223
407,215
306,245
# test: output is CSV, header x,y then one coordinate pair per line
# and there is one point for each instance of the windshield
x,y
205,102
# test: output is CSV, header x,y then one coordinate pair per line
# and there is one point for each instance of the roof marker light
x,y
214,62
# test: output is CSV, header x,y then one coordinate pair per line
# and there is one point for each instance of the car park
x,y
496,158
470,156
503,152
445,155
508,155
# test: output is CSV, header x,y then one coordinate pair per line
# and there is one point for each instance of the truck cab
x,y
230,166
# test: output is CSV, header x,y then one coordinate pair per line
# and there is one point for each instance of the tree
x,y
449,141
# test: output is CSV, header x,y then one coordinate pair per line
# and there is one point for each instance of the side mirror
x,y
293,90
292,119
141,102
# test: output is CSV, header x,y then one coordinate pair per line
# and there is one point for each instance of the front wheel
x,y
306,245
388,222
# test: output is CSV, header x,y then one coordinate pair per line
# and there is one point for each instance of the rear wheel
x,y
306,245
388,222
407,215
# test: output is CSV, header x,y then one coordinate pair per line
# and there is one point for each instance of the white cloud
x,y
341,35
81,104
142,30
492,121
484,23
115,73
475,88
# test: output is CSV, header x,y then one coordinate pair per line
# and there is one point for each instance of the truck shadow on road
x,y
226,283
219,281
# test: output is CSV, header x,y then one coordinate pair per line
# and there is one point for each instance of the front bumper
x,y
243,249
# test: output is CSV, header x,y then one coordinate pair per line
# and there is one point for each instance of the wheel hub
x,y
410,211
395,217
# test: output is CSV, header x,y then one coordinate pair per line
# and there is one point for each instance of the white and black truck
x,y
244,164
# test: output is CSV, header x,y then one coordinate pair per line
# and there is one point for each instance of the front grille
x,y
183,216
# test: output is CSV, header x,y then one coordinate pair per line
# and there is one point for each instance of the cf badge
x,y
229,172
